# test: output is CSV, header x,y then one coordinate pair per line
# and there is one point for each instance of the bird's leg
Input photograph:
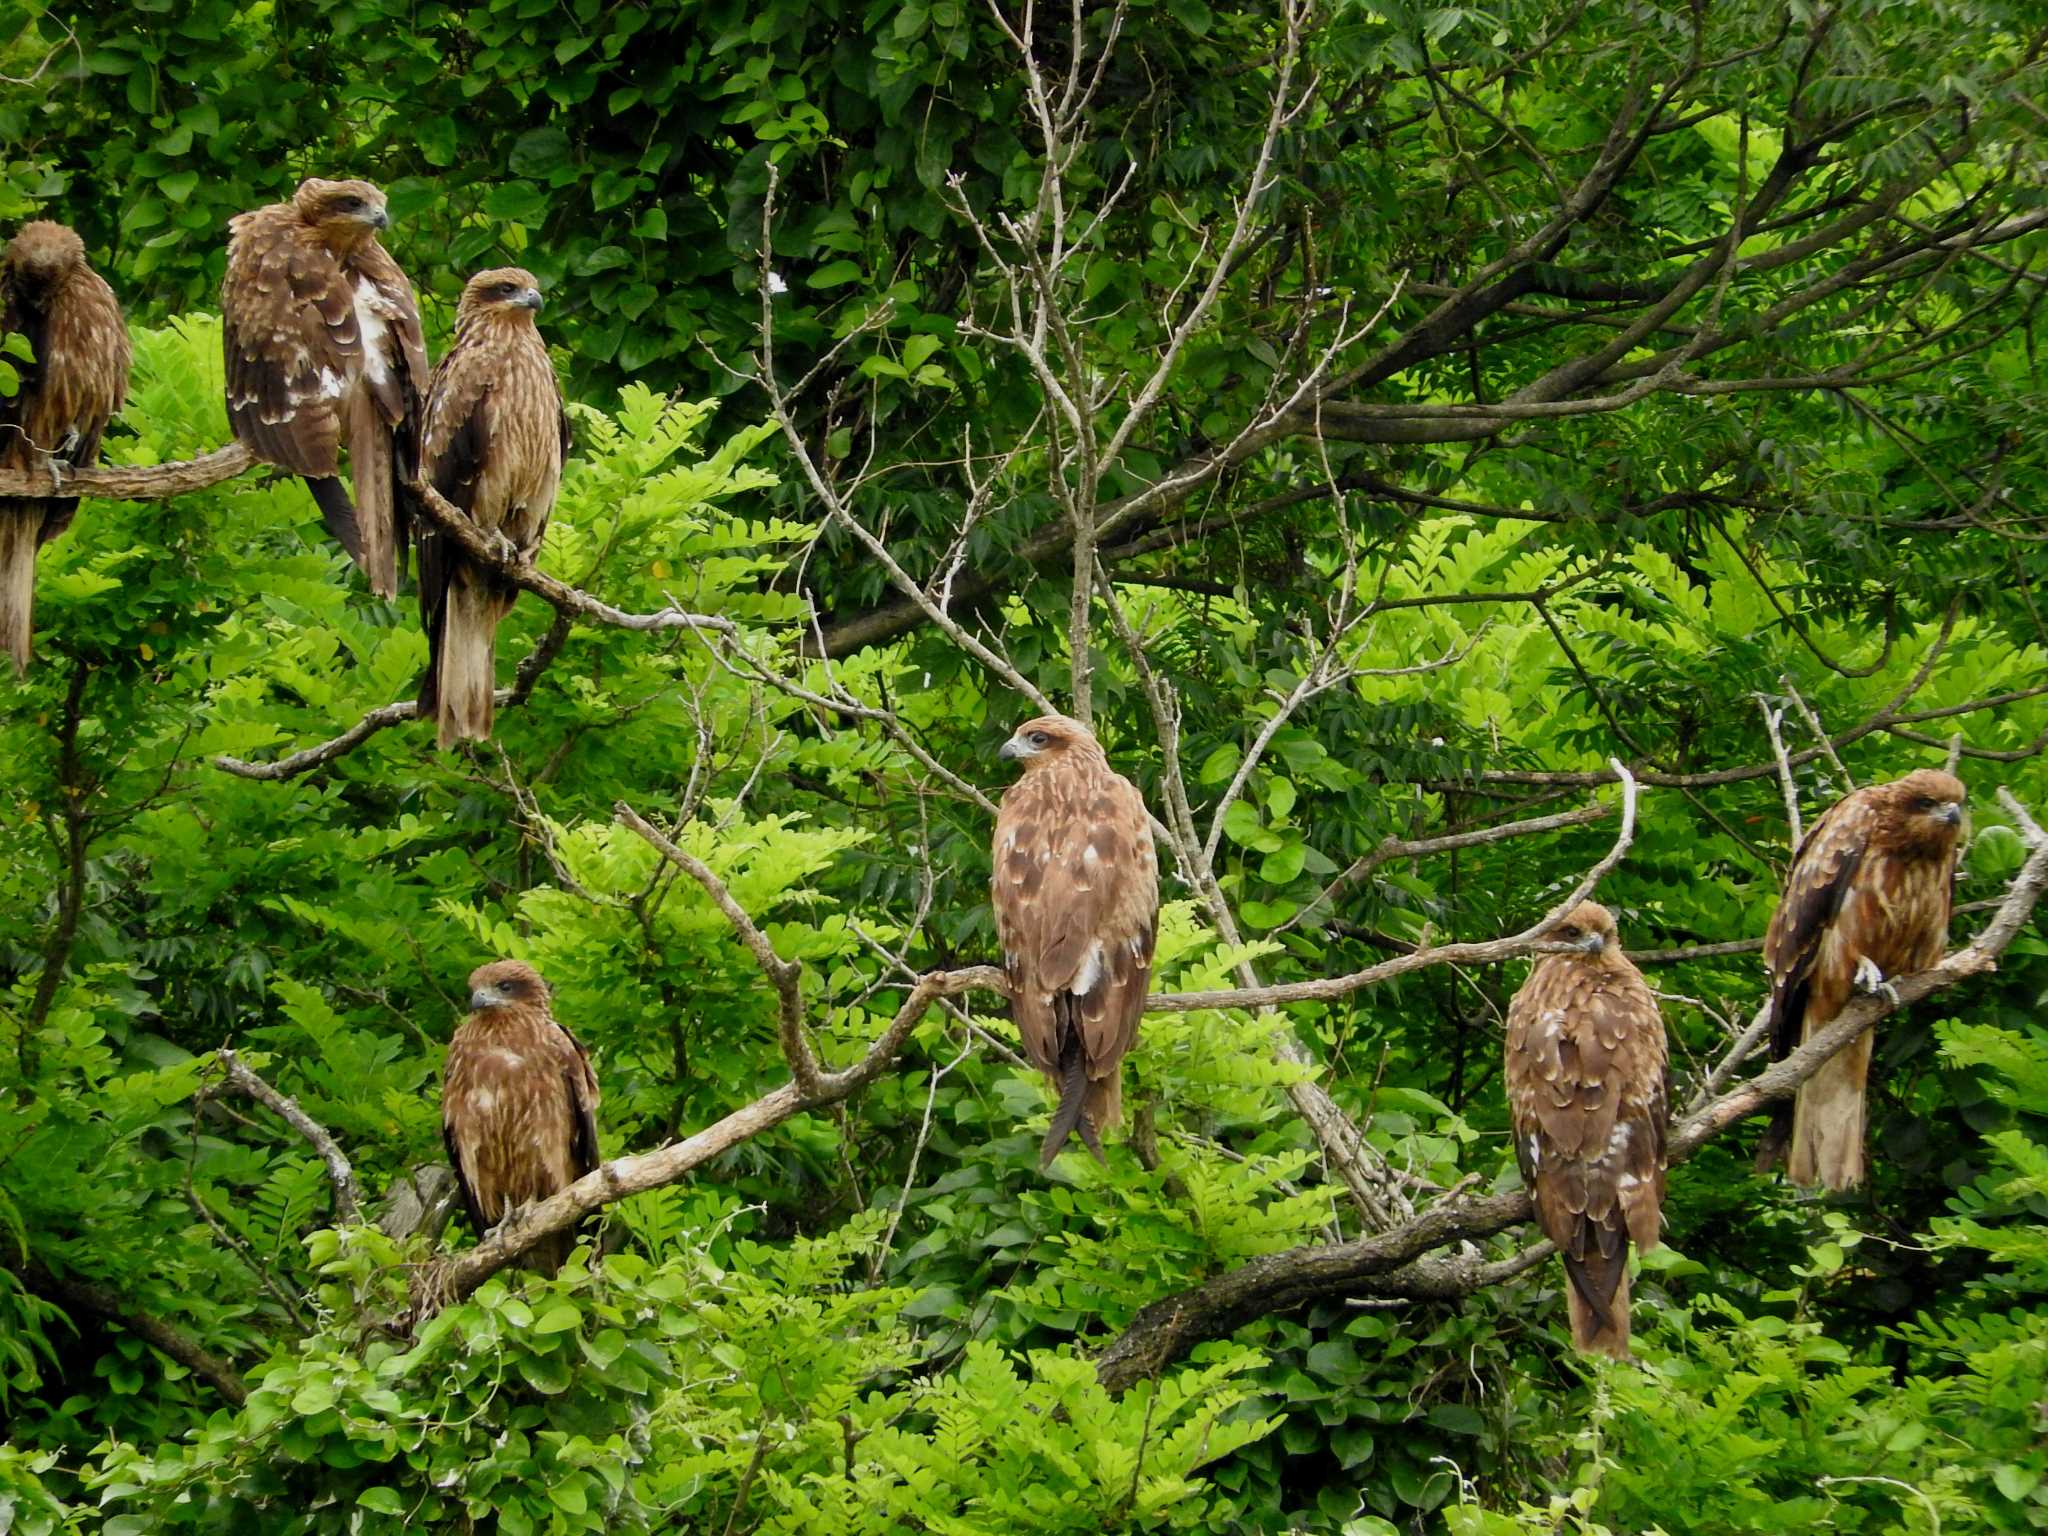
x,y
1871,983
503,547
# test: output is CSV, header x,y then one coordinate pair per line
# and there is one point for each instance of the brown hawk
x,y
323,346
518,1103
1587,1097
1076,893
1867,898
494,439
77,379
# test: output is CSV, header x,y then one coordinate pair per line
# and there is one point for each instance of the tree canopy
x,y
1455,459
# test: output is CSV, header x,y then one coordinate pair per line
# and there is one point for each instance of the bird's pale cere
x,y
337,204
506,984
1047,739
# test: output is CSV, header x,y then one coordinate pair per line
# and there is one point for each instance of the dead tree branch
x,y
1164,1331
239,1078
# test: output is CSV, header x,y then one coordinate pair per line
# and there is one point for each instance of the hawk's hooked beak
x,y
1952,814
485,997
1593,943
377,218
528,298
1013,749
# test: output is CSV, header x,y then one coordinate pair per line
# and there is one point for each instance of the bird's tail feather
x,y
338,513
1598,1327
1827,1122
466,680
1073,1085
21,526
370,467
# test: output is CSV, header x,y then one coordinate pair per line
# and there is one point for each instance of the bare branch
x,y
623,1176
130,482
786,975
1786,782
239,1078
1164,1331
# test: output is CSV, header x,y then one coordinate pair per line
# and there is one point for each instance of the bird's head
x,y
1049,739
506,984
503,294
41,255
346,213
1588,926
1926,808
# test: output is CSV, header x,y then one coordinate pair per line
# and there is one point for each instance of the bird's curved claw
x,y
1870,981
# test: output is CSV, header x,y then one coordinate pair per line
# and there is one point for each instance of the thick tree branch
x,y
130,482
624,1176
79,1295
1164,1331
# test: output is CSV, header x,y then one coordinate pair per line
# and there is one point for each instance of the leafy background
x,y
886,1319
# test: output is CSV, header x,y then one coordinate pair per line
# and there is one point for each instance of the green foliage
x,y
884,1317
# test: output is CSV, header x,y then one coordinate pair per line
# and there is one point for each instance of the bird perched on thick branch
x,y
518,1103
323,345
1587,1094
494,439
77,379
1867,898
1076,894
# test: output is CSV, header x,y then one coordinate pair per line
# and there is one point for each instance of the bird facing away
x,y
323,345
518,1103
78,378
1076,893
493,441
1867,898
1587,1096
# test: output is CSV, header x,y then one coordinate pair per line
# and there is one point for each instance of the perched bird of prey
x,y
78,378
518,1103
324,352
494,438
1076,895
1587,1095
1867,898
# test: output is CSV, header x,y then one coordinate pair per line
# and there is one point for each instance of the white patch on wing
x,y
483,1100
1091,970
1535,1150
371,328
331,384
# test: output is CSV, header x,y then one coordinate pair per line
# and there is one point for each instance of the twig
x,y
1165,1330
462,1273
385,716
1785,779
238,1078
787,975
1820,735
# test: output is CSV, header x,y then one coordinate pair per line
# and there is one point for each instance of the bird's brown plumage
x,y
78,378
323,346
1870,887
1587,1097
494,438
518,1103
1076,893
